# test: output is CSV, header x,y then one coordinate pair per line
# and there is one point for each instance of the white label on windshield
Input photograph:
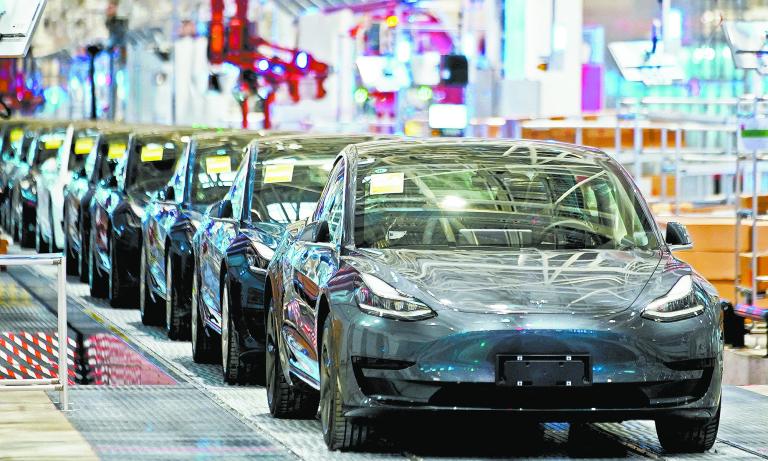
x,y
387,183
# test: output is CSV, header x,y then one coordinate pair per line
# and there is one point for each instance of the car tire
x,y
204,349
177,327
73,263
26,236
284,400
236,370
84,255
149,308
97,282
41,246
688,436
339,432
117,289
52,246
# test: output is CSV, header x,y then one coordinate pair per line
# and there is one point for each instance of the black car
x,y
277,183
526,278
117,210
110,146
202,177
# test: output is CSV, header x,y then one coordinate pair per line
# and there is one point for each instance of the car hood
x,y
504,282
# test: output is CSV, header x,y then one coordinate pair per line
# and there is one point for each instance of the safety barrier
x,y
60,382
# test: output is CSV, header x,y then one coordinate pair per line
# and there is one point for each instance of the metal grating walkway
x,y
743,434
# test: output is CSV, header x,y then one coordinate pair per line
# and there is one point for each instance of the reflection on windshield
x,y
214,171
454,197
287,190
153,166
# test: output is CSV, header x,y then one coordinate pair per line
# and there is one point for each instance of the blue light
x,y
278,69
302,60
263,65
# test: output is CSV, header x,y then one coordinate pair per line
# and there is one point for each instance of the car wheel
x,y
176,326
83,256
41,246
339,432
26,235
688,436
96,280
284,400
72,262
148,307
203,347
117,295
236,370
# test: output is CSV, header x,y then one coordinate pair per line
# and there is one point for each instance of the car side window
x,y
331,204
237,192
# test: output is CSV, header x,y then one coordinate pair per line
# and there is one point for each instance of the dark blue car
x,y
278,183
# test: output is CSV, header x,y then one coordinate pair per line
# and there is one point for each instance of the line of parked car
x,y
366,275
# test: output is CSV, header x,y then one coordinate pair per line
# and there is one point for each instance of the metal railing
x,y
59,383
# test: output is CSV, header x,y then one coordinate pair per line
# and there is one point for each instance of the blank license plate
x,y
544,371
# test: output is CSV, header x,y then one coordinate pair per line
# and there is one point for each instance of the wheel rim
x,y
326,393
168,293
195,312
225,329
270,360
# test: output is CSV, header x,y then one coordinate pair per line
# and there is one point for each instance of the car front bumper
x,y
638,369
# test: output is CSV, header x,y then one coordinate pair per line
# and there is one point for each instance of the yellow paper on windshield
x,y
387,183
218,165
152,153
83,146
278,172
53,143
16,134
116,151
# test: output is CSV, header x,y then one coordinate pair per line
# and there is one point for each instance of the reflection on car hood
x,y
530,281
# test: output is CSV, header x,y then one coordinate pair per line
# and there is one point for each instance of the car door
x,y
311,266
218,233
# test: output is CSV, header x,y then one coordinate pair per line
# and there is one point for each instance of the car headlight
x,y
377,297
259,259
679,303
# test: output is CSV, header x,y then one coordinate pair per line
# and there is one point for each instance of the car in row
x,y
360,277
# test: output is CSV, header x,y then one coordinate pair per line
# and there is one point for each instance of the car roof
x,y
216,139
309,141
466,146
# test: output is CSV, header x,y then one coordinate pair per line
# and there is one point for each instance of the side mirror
x,y
169,194
225,209
677,237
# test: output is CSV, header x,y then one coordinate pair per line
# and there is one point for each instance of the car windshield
x,y
153,165
288,183
84,141
485,196
48,145
214,170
